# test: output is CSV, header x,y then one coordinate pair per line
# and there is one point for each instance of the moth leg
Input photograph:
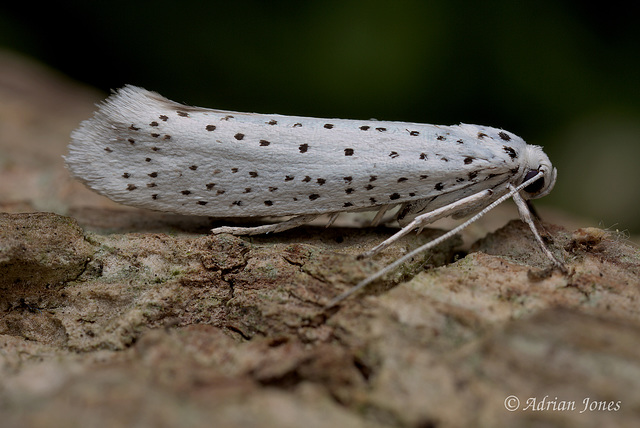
x,y
525,216
376,220
424,219
267,228
332,219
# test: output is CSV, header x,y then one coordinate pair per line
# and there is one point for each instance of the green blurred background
x,y
562,74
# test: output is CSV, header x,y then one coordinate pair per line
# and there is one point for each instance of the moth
x,y
143,150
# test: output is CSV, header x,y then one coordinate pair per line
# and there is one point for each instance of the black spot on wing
x,y
510,151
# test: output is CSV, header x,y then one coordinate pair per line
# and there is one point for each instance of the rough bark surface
x,y
117,317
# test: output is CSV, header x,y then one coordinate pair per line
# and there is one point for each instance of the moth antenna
x,y
510,194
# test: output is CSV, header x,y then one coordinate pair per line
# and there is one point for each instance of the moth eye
x,y
537,185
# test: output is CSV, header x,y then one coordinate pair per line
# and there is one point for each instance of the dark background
x,y
562,74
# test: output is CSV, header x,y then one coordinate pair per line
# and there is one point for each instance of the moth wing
x,y
144,150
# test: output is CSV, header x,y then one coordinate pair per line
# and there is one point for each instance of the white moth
x,y
143,150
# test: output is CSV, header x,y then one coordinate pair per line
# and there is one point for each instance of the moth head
x,y
538,165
